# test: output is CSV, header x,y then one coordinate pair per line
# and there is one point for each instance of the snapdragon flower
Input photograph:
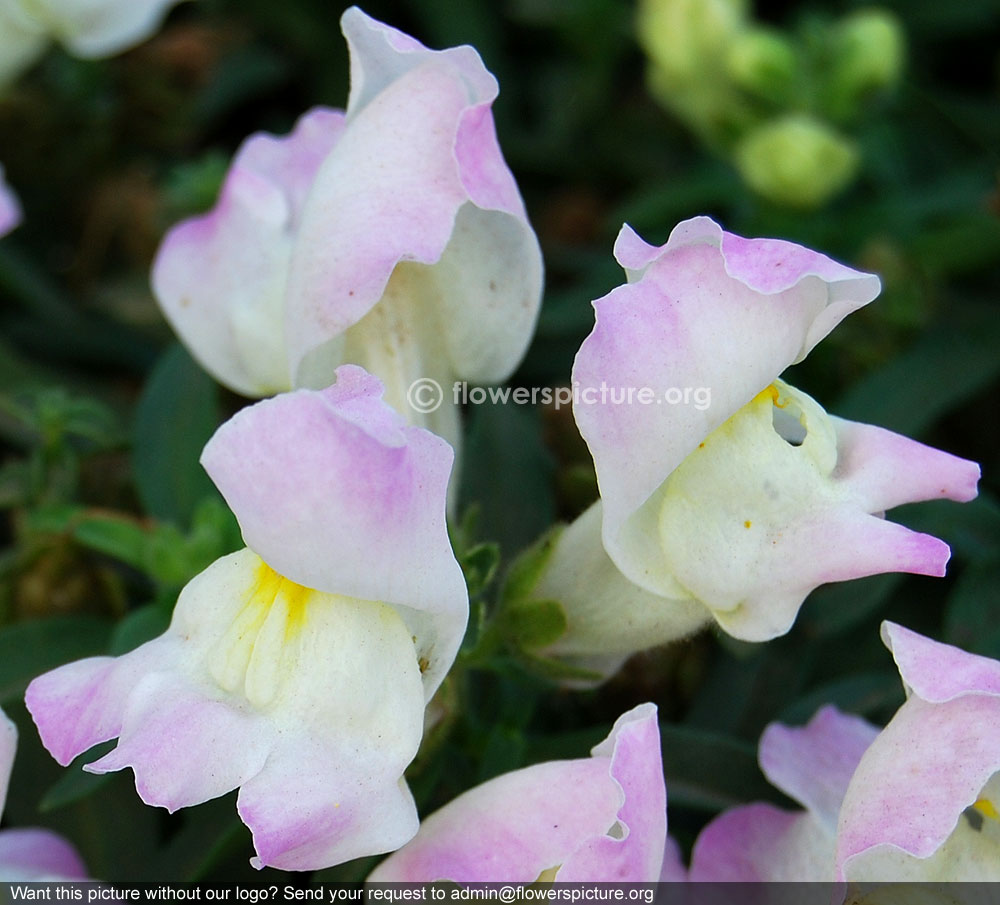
x,y
86,28
924,802
601,818
736,509
30,853
298,668
391,235
813,764
915,802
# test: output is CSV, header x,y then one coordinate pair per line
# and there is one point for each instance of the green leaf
x,y
971,529
839,607
524,572
479,565
138,627
177,414
75,784
709,771
940,372
535,623
119,537
210,833
871,694
972,615
503,752
555,670
508,472
27,649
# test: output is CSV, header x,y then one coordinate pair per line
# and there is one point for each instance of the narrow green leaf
x,y
177,414
524,572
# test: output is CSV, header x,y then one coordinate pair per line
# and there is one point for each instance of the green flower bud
x,y
764,62
796,161
869,49
687,42
685,38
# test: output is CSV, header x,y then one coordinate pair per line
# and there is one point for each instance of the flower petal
x,y
607,616
762,843
376,499
938,672
909,791
511,828
711,311
552,815
332,787
381,55
887,470
417,177
81,704
22,41
99,29
673,869
35,854
814,763
221,278
773,520
637,767
184,747
311,702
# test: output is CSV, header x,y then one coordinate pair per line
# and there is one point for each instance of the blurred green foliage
x,y
106,513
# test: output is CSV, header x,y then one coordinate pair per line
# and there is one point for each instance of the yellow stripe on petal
x,y
259,646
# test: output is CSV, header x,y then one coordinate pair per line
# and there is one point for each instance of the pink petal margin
x,y
554,814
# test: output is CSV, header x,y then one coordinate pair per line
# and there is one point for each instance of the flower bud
x,y
797,161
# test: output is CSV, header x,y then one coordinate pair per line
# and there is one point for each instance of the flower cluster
x,y
774,102
387,243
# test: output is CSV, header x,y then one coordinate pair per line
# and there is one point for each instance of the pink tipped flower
x,y
30,854
10,208
924,802
601,818
87,28
760,842
725,492
392,236
298,668
918,801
